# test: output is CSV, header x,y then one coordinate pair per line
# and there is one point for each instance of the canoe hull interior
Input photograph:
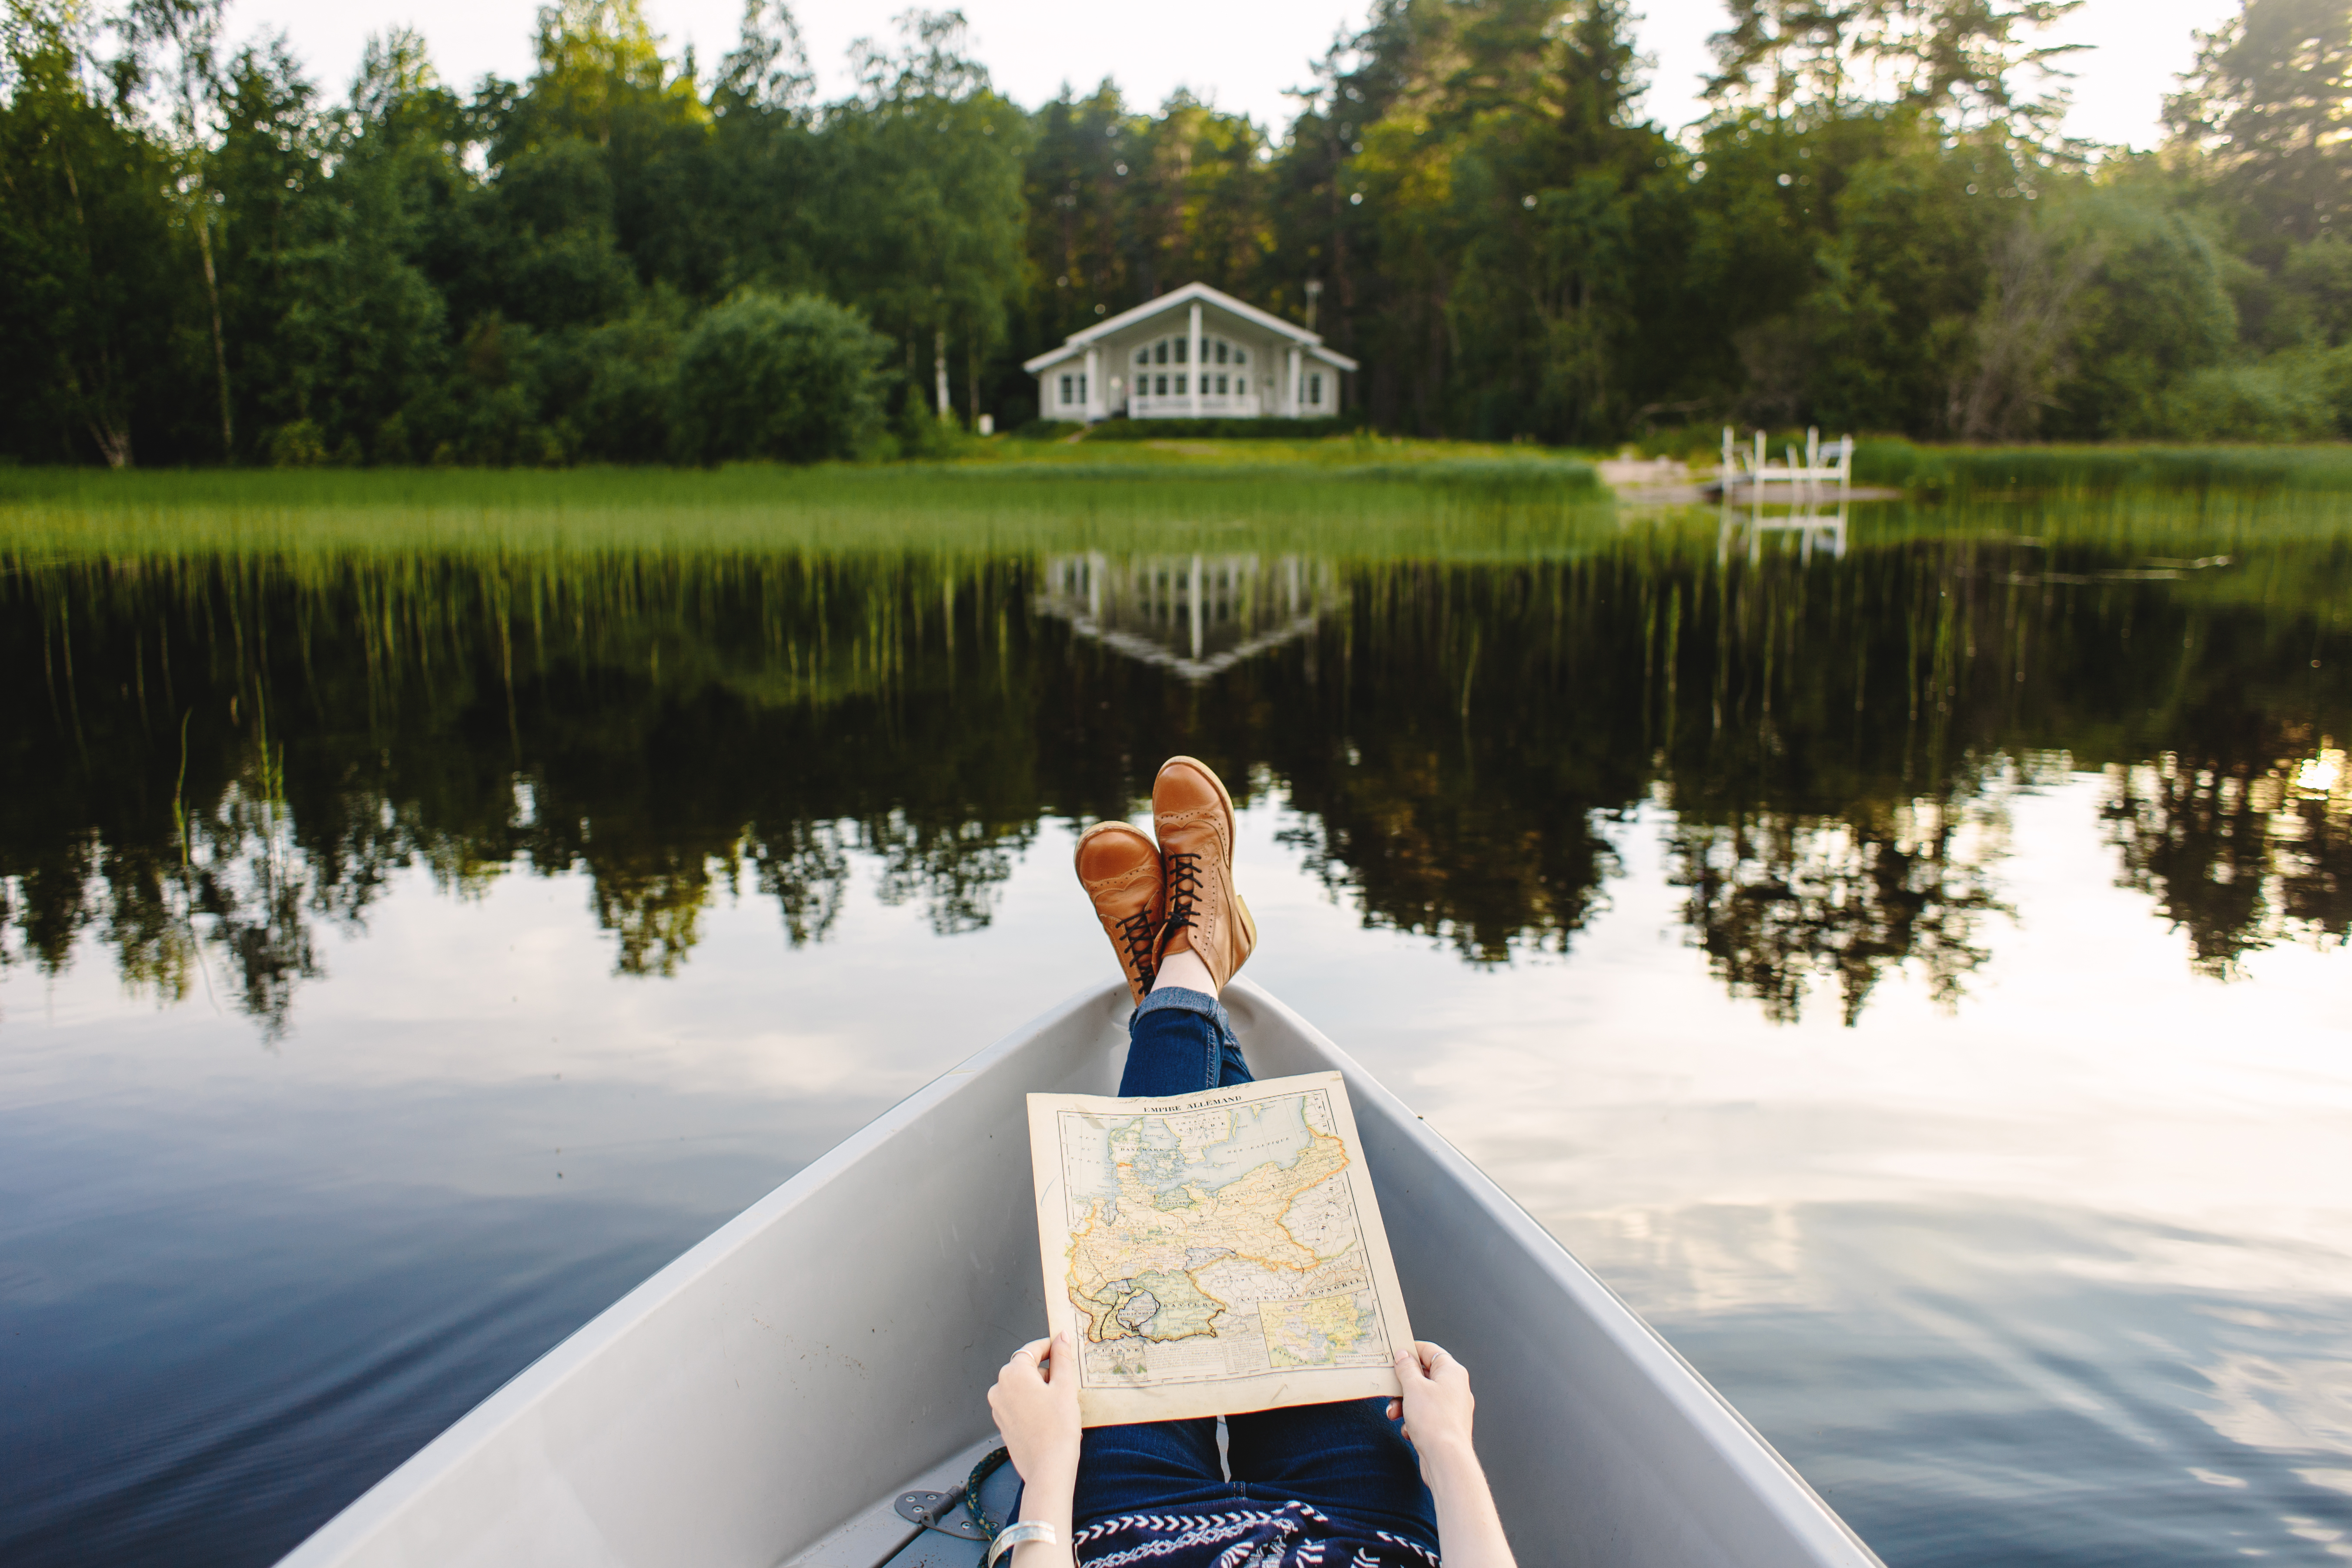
x,y
760,1400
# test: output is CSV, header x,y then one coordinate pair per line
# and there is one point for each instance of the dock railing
x,y
1825,464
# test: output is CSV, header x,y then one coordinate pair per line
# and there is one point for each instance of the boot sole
x,y
1226,797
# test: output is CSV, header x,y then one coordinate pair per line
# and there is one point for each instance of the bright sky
x,y
1034,46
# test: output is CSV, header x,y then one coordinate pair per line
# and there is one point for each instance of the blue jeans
x,y
1181,1042
1347,1460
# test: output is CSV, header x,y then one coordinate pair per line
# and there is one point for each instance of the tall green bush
x,y
799,379
2284,398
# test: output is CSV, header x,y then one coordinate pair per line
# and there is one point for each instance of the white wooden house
x,y
1195,353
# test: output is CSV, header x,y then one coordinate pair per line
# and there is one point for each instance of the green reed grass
x,y
1983,471
1456,504
1432,504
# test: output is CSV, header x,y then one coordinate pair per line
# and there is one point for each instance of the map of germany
x,y
1218,1237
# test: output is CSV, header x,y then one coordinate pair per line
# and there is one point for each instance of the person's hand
x,y
1436,1404
1035,1403
1436,1408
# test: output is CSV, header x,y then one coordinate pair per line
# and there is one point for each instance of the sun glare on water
x,y
2321,775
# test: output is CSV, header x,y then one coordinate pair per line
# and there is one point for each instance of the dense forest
x,y
638,255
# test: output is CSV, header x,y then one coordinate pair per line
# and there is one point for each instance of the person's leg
x,y
1148,1467
1347,1459
1185,972
1179,1041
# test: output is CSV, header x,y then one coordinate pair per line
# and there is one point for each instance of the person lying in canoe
x,y
1362,1483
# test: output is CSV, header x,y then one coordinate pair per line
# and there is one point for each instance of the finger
x,y
1035,1349
1409,1367
1059,1355
1396,1408
1434,1356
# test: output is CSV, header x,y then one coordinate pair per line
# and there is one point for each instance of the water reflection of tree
x,y
1484,730
2239,854
1778,901
200,762
952,869
234,875
1456,751
1833,742
217,756
804,868
144,906
256,892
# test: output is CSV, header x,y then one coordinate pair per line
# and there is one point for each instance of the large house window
x,y
1314,388
1074,391
1178,350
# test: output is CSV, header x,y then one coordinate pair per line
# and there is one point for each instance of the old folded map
x,y
1216,1252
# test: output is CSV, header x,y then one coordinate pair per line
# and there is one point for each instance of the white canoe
x,y
764,1399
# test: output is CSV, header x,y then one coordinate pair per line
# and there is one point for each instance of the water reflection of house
x,y
1196,615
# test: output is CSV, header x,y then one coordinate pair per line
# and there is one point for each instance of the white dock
x,y
1824,465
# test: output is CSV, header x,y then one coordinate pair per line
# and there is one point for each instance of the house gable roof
x,y
1078,342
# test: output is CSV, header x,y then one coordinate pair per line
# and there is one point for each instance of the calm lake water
x,y
1904,957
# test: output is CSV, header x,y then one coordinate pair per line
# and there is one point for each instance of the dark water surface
x,y
1906,959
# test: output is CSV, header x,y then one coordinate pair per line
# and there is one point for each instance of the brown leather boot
x,y
1120,868
1194,816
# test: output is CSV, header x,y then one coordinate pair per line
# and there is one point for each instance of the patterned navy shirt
x,y
1291,1536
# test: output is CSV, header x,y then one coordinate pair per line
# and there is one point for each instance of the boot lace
x,y
1183,875
1137,935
